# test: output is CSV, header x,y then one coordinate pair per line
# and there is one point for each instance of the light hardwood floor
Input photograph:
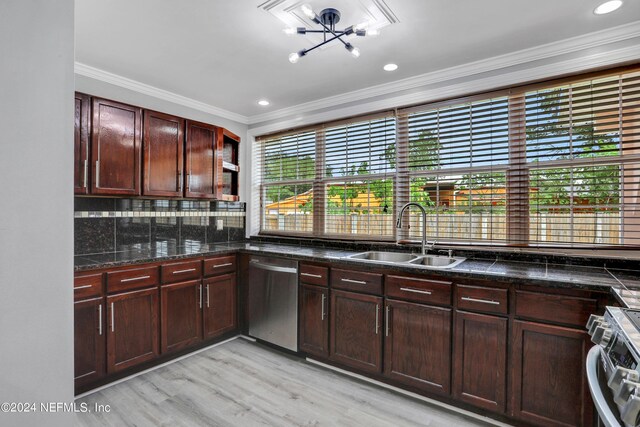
x,y
240,383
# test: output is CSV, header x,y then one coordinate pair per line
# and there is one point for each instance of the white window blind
x,y
554,164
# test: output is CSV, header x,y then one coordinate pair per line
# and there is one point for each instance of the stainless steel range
x,y
613,366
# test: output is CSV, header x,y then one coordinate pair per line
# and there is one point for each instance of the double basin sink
x,y
398,258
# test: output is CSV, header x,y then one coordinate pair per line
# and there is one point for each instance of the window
x,y
555,164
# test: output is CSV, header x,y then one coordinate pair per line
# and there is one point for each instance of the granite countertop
x,y
597,278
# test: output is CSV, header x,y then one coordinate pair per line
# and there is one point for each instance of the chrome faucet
x,y
424,224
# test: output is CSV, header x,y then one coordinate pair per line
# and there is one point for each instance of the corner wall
x,y
36,219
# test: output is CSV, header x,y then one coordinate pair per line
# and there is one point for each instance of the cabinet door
x,y
548,380
219,305
314,321
115,148
81,143
418,345
480,360
163,142
132,336
89,340
200,143
181,315
356,330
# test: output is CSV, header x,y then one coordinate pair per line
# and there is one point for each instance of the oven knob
x,y
625,390
630,411
597,324
622,374
592,319
601,335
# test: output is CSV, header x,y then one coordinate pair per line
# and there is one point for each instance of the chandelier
x,y
328,19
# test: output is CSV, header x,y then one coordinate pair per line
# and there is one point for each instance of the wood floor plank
x,y
245,384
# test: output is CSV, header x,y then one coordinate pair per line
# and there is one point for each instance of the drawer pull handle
x,y
359,282
317,276
416,291
135,278
440,282
82,287
482,301
222,265
183,271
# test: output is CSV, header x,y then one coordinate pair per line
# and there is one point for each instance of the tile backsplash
x,y
109,225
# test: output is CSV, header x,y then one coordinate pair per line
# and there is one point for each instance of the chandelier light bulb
x,y
608,7
289,31
306,9
353,50
373,32
293,58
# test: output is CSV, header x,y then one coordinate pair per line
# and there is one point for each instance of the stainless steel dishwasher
x,y
273,301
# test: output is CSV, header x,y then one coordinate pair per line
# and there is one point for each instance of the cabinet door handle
x,y
324,297
227,264
179,179
97,173
417,291
207,296
86,173
188,182
377,318
386,322
82,287
359,282
317,276
200,296
183,271
134,279
100,319
482,301
113,322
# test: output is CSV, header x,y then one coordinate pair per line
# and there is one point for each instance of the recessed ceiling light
x,y
390,67
263,102
607,7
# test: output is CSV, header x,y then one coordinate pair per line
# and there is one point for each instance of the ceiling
x,y
230,54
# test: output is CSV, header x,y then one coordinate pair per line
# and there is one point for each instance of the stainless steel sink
x,y
393,257
437,261
399,258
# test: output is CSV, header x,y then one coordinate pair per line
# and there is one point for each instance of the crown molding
x,y
566,66
136,86
550,50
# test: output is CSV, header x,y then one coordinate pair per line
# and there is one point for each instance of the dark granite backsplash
x,y
104,225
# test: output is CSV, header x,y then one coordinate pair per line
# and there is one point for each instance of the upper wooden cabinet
x,y
115,148
227,164
200,166
81,128
163,155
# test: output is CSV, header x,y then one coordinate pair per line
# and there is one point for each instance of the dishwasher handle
x,y
271,267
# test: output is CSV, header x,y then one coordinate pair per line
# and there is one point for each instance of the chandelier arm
x,y
325,42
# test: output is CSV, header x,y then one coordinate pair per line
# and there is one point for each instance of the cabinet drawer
x,y
314,275
219,265
181,271
370,283
87,286
476,298
133,278
419,289
563,309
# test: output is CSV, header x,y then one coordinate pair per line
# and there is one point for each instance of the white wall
x,y
36,207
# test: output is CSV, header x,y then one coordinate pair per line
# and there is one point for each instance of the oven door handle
x,y
607,416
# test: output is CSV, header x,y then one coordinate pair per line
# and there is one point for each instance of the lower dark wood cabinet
x,y
181,315
418,345
89,341
480,360
132,335
219,306
548,379
356,330
314,320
